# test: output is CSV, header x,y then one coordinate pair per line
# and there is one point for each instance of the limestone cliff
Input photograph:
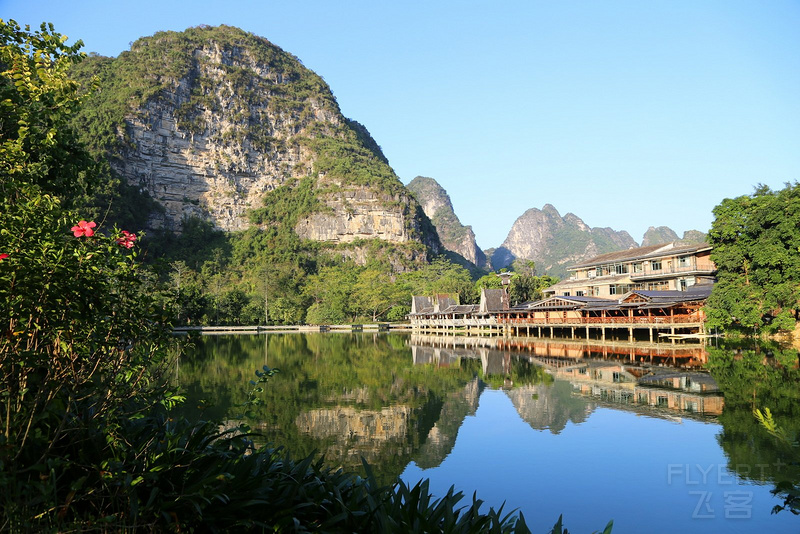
x,y
437,206
210,120
555,242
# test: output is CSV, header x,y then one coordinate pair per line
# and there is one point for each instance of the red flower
x,y
83,229
126,240
3,256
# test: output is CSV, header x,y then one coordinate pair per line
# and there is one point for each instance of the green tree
x,y
756,240
330,290
441,276
375,293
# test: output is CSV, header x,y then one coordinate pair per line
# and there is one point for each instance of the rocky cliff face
x,y
210,120
357,212
555,242
437,206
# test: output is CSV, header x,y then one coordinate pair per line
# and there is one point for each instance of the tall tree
x,y
756,240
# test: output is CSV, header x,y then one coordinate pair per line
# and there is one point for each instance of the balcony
x,y
649,274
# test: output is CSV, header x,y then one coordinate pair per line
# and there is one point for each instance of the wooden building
x,y
641,313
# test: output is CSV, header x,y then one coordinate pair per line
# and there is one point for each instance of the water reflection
x,y
757,378
346,396
404,401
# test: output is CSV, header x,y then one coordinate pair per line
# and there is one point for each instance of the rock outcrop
x,y
454,236
210,120
555,242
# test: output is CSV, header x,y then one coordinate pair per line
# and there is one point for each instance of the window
x,y
579,293
658,286
619,289
620,268
655,265
682,284
598,271
637,267
662,401
683,261
566,293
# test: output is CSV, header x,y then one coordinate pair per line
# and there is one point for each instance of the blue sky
x,y
626,113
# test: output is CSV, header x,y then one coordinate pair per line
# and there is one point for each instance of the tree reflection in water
x,y
391,401
755,378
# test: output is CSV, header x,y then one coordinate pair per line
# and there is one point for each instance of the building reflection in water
x,y
658,380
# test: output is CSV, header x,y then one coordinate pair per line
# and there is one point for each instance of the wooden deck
x,y
571,327
282,329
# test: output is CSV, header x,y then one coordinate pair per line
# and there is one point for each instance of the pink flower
x,y
3,256
83,229
126,240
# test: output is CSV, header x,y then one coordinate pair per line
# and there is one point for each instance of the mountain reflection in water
x,y
401,401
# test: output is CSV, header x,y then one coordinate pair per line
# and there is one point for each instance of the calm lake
x,y
660,440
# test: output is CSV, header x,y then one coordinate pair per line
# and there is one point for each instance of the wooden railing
x,y
676,319
694,318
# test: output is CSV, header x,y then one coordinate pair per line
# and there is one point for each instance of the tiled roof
x,y
494,299
460,308
562,302
652,251
445,302
420,303
696,292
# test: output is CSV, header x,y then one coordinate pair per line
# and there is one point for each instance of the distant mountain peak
x,y
556,242
437,205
